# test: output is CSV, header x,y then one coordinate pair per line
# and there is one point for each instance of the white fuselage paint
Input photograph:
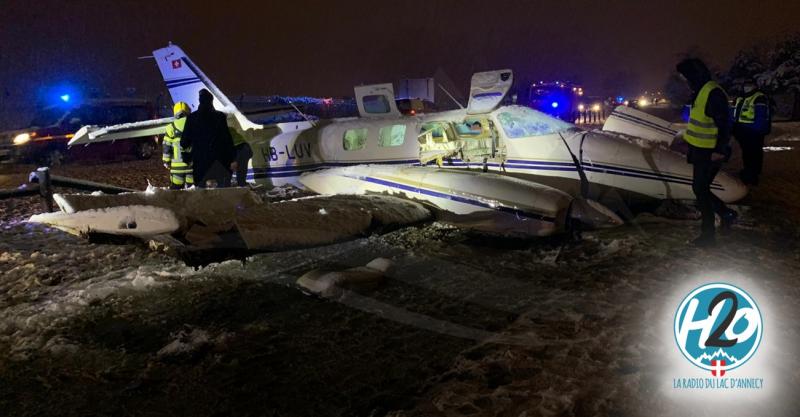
x,y
482,201
279,158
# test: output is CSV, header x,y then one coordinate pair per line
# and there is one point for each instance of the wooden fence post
x,y
45,189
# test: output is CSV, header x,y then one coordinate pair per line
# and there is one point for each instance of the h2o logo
x,y
718,327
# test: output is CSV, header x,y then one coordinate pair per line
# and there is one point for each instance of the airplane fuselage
x,y
510,140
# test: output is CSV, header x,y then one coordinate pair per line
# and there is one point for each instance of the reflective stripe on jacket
x,y
747,114
702,131
179,159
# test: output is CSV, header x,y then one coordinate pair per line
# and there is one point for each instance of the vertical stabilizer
x,y
184,81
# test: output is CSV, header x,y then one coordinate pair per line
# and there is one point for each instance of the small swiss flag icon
x,y
718,368
176,64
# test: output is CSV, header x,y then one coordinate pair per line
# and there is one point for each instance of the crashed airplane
x,y
498,168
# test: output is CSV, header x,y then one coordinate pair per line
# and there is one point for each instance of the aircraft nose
x,y
593,215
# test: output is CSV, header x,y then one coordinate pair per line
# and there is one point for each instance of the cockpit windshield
x,y
519,121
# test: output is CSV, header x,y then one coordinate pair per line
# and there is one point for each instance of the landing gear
x,y
575,231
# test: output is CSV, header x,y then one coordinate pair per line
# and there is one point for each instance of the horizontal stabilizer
x,y
636,123
94,134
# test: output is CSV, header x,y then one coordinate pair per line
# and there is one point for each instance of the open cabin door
x,y
376,100
487,90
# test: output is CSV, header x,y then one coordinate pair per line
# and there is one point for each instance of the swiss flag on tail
x,y
176,64
717,367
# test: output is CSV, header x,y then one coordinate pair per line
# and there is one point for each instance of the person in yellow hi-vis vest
x,y
243,155
751,123
707,134
177,159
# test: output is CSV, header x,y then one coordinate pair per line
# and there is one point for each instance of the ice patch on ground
x,y
334,283
25,326
185,342
778,148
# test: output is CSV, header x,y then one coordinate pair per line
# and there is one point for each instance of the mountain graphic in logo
x,y
716,355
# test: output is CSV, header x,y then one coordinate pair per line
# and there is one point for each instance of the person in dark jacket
x,y
708,135
752,122
206,132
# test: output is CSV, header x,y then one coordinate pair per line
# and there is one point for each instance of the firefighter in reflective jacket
x,y
751,123
177,159
707,134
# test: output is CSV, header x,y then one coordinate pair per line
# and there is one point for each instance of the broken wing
x,y
94,134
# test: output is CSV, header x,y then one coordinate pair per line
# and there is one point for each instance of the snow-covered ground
x,y
459,325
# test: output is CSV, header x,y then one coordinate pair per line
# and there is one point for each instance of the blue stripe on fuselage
x,y
180,80
594,167
190,82
457,198
295,170
644,122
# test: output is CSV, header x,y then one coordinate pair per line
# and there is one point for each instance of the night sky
x,y
324,48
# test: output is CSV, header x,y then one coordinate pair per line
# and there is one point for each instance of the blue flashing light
x,y
620,99
65,98
685,112
554,104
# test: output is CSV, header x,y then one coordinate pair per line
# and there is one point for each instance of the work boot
x,y
727,220
704,241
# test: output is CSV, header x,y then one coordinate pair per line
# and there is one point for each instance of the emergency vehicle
x,y
45,139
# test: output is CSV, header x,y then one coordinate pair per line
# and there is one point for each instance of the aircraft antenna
x,y
302,114
451,97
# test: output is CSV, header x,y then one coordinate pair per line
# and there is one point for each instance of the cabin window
x,y
393,135
472,128
354,139
518,122
436,132
376,104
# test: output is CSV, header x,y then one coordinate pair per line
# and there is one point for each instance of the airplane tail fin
x,y
184,81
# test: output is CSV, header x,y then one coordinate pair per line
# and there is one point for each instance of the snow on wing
x,y
137,221
200,216
94,134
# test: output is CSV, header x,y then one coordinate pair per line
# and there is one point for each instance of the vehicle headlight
x,y
22,139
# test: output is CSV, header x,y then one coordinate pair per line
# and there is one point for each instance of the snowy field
x,y
460,325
